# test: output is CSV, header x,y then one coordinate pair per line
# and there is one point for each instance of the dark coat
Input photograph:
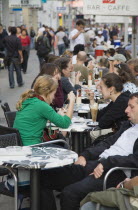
x,y
112,115
92,153
67,87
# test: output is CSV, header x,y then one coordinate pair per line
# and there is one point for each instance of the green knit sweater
x,y
32,118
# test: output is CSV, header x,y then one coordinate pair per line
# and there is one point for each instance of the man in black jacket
x,y
87,174
14,57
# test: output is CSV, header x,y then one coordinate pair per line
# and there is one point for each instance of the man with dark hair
x,y
77,35
14,57
87,174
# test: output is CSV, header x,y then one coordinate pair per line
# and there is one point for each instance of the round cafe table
x,y
42,158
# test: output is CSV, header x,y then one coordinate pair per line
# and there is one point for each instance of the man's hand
x,y
98,171
81,161
21,59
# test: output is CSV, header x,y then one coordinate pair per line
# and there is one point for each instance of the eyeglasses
x,y
117,66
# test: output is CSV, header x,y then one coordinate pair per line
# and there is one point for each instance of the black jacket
x,y
67,87
112,115
92,153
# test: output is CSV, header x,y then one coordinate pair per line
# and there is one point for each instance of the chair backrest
x,y
10,117
5,107
7,130
8,140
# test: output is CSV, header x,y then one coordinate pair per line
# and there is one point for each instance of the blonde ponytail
x,y
27,94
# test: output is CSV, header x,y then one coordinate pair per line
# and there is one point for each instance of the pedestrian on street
x,y
25,41
14,57
77,35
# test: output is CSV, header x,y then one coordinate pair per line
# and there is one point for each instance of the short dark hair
x,y
111,51
134,95
80,22
13,30
78,48
113,80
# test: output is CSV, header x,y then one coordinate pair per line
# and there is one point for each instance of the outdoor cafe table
x,y
41,158
80,133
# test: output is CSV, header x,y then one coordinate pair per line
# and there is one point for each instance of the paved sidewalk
x,y
12,95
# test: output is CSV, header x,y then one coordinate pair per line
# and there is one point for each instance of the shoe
x,y
21,85
24,72
11,87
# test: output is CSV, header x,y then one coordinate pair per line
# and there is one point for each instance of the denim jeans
x,y
61,48
92,206
15,64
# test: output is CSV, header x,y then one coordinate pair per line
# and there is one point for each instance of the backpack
x,y
66,41
42,46
32,33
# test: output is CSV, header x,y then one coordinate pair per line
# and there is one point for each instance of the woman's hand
x,y
71,96
62,111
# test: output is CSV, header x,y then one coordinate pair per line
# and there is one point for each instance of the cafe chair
x,y
5,107
107,176
7,130
10,117
9,137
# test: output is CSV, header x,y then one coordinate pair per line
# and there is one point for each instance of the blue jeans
x,y
61,48
15,64
92,206
32,44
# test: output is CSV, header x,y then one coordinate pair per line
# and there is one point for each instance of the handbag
x,y
66,41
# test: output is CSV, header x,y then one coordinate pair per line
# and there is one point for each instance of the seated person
x,y
54,71
79,66
103,65
34,110
87,174
127,192
114,113
66,67
129,81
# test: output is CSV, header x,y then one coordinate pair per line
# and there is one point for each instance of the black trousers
x,y
75,183
25,60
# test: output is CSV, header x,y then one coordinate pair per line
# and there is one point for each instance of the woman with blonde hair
x,y
34,110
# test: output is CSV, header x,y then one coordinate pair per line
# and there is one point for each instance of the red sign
x,y
109,1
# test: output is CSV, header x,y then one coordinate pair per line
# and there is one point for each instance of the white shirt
x,y
130,86
78,40
60,36
124,145
99,39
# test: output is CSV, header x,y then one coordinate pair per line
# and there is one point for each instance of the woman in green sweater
x,y
34,111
